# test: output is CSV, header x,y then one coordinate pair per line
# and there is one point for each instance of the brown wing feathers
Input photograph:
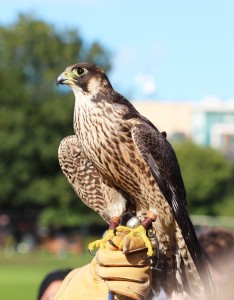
x,y
160,156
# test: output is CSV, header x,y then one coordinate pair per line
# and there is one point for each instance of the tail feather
x,y
176,271
168,275
195,285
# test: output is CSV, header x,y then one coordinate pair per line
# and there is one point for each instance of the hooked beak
x,y
61,79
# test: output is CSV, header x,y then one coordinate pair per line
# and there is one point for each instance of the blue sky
x,y
162,49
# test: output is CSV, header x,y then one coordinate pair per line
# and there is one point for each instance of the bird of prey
x,y
118,161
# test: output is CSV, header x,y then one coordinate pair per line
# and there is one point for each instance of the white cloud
x,y
138,68
211,99
146,84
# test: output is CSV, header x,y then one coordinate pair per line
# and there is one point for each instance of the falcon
x,y
118,162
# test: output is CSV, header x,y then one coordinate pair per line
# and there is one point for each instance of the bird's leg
x,y
141,230
109,234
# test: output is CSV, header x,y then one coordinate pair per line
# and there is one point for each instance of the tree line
x,y
35,116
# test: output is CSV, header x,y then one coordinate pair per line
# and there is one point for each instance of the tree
x,y
34,116
208,178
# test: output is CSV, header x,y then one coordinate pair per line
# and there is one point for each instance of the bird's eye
x,y
79,71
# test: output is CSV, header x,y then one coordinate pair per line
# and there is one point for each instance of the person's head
x,y
219,244
51,283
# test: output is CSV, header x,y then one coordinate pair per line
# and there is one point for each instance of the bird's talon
x,y
137,231
101,243
91,252
94,244
113,244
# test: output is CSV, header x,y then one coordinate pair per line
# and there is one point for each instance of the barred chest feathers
x,y
95,128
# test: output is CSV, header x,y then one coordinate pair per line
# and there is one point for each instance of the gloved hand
x,y
127,275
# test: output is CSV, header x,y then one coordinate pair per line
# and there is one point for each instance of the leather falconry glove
x,y
125,273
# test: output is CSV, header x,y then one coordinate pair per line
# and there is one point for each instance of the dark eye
x,y
80,71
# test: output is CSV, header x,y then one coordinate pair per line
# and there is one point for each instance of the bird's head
x,y
84,77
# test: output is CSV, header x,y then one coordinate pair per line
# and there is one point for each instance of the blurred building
x,y
213,125
172,117
208,123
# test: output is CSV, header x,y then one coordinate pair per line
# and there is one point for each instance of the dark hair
x,y
51,277
218,243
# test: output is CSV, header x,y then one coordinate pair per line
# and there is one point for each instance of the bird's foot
x,y
101,243
139,231
109,234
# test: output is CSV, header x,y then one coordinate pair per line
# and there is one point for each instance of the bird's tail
x,y
176,271
189,275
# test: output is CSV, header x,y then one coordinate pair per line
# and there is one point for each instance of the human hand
x,y
127,274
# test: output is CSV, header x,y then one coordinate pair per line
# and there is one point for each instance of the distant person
x,y
51,283
219,245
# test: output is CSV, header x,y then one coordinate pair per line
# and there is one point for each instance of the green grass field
x,y
21,275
